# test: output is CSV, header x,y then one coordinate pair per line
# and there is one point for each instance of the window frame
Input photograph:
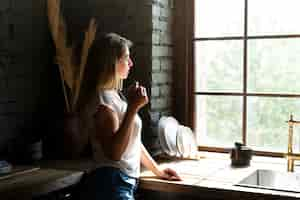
x,y
184,71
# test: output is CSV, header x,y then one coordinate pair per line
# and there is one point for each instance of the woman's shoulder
x,y
109,93
106,97
111,99
106,118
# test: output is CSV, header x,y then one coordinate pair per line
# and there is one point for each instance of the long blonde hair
x,y
101,65
103,57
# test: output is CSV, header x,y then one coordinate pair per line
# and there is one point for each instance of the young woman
x,y
116,141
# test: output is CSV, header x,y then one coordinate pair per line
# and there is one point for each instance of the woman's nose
x,y
130,63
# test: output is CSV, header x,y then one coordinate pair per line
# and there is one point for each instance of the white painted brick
x,y
156,51
165,12
160,51
165,90
155,24
166,64
165,25
160,78
155,37
155,91
159,103
166,39
156,10
164,3
155,64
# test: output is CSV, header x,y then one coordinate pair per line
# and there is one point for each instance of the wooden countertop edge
x,y
81,167
86,164
43,188
208,192
229,188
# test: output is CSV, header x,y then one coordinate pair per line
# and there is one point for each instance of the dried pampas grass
x,y
70,74
89,37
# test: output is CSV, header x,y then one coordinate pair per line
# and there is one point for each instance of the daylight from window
x,y
247,72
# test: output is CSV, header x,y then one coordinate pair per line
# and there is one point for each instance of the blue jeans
x,y
108,183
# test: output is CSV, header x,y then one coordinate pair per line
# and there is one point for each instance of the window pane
x,y
218,66
267,129
273,66
218,120
273,17
219,18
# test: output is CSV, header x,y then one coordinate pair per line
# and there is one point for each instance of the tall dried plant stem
x,y
63,53
64,89
89,37
59,34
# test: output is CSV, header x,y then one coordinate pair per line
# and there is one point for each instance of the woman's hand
x,y
169,174
137,96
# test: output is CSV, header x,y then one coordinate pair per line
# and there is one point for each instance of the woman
x,y
116,141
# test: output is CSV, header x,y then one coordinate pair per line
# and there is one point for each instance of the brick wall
x,y
29,82
162,57
26,81
162,62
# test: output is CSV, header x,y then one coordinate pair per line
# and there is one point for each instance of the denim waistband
x,y
109,183
116,172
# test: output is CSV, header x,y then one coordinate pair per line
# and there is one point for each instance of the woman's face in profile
x,y
124,64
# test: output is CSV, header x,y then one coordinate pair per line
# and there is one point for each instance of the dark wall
x,y
29,86
31,101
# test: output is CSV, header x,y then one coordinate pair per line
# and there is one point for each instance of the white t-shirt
x,y
130,160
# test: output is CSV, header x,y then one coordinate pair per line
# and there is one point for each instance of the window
x,y
246,72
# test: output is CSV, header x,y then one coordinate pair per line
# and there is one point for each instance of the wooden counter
x,y
211,177
34,181
214,178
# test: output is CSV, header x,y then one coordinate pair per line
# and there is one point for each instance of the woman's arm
x,y
110,133
150,164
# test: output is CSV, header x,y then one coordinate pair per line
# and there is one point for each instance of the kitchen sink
x,y
272,180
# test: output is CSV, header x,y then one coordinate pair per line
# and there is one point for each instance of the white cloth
x,y
130,160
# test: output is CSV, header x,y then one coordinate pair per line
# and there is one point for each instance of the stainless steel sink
x,y
273,180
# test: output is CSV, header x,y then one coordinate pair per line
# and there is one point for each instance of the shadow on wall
x,y
24,134
25,144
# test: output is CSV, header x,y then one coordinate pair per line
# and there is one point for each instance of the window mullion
x,y
244,124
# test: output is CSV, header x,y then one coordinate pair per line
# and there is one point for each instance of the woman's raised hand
x,y
137,96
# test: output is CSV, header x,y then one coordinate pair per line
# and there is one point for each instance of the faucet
x,y
291,157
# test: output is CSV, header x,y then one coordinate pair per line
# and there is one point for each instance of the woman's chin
x,y
124,77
